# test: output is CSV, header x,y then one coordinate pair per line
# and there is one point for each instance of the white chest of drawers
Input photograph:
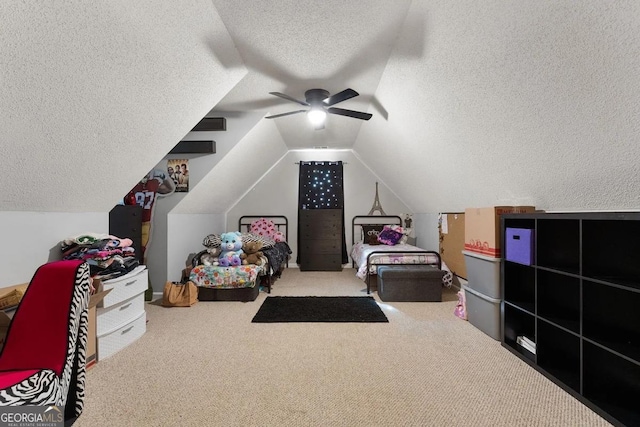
x,y
121,318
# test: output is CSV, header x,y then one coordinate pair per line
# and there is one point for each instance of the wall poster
x,y
178,170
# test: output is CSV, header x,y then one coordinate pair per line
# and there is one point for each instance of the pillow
x,y
371,232
397,228
262,227
212,241
266,241
389,237
405,233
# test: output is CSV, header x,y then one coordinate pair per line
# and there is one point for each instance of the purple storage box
x,y
519,245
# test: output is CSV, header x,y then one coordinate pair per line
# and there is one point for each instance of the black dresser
x,y
320,239
125,221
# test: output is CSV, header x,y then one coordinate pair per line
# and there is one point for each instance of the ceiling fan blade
x,y
285,114
288,98
340,96
349,113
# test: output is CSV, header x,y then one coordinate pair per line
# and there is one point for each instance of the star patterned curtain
x,y
321,185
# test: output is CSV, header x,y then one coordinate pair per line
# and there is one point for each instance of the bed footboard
x,y
373,254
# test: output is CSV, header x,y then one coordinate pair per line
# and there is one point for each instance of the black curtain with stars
x,y
321,187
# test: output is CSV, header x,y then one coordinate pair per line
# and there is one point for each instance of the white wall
x,y
186,232
426,231
31,239
277,192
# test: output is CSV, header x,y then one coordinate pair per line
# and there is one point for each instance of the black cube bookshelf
x,y
579,303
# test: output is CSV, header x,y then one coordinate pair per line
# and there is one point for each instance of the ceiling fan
x,y
320,103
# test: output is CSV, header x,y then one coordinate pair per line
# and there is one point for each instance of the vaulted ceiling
x,y
291,46
473,103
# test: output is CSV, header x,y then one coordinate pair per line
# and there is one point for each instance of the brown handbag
x,y
178,294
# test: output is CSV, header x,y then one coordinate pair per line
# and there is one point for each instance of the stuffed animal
x,y
211,257
252,253
231,249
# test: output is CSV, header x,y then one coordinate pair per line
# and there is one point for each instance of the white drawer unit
x,y
125,287
118,339
111,318
121,316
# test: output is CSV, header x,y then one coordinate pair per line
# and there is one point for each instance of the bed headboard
x,y
280,221
360,220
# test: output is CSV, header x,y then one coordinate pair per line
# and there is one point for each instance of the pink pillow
x,y
263,227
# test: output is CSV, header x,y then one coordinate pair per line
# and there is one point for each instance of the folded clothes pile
x,y
108,256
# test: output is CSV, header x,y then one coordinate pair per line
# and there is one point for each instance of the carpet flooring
x,y
281,309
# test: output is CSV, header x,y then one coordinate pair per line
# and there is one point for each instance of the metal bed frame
x,y
392,219
280,222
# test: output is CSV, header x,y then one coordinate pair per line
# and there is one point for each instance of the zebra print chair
x,y
43,360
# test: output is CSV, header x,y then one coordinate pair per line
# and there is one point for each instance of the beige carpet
x,y
208,365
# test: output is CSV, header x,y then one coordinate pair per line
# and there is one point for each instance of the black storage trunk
x,y
409,283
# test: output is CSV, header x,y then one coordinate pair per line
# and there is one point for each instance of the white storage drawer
x,y
115,341
115,316
125,287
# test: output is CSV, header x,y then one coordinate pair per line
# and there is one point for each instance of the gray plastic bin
x,y
483,312
483,273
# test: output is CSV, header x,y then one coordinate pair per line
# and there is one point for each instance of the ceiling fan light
x,y
317,116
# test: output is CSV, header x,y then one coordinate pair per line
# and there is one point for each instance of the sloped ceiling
x,y
93,95
512,103
238,171
473,103
290,46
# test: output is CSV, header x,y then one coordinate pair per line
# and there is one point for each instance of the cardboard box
x,y
92,338
11,296
452,243
5,320
7,313
482,228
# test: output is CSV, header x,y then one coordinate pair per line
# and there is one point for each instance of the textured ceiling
x,y
513,103
473,103
290,46
93,95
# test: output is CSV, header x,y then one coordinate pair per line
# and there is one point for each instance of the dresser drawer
x,y
320,213
125,287
322,246
115,341
115,316
315,262
317,232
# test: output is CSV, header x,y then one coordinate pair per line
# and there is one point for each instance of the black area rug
x,y
319,309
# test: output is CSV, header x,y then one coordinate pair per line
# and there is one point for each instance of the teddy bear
x,y
252,253
230,249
